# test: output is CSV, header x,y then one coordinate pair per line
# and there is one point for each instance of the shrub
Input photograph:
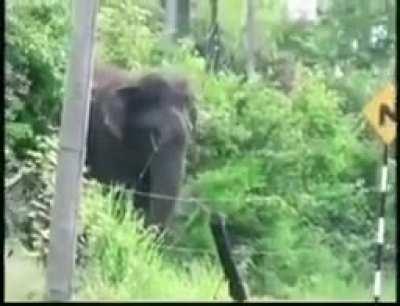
x,y
284,172
34,73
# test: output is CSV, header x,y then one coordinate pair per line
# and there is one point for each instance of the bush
x,y
127,34
299,175
34,73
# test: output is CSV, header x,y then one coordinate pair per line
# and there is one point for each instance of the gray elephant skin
x,y
139,130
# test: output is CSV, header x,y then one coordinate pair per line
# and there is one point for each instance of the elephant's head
x,y
150,112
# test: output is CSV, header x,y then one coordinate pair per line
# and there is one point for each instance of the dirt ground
x,y
24,278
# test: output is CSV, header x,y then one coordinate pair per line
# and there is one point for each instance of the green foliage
x,y
352,26
293,173
285,180
362,55
36,49
329,288
37,189
127,34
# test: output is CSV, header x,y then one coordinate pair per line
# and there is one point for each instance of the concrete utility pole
x,y
177,18
250,39
171,19
183,18
71,156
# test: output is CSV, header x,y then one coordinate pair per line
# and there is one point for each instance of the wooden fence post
x,y
236,287
71,156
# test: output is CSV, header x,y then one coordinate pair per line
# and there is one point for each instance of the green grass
x,y
25,281
126,264
333,289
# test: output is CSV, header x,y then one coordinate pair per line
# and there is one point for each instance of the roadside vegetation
x,y
293,169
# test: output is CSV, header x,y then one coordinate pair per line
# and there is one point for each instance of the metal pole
x,y
381,225
61,258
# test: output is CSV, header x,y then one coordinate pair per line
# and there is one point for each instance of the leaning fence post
x,y
61,257
236,287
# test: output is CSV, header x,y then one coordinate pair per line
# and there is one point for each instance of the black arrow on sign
x,y
386,111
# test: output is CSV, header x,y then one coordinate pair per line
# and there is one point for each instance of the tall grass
x,y
125,261
332,288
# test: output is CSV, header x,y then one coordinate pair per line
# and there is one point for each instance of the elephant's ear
x,y
116,110
113,114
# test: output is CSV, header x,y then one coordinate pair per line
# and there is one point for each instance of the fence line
x,y
235,252
199,201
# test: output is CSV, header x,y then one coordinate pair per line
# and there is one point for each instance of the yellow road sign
x,y
381,114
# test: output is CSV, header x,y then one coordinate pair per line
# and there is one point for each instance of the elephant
x,y
138,135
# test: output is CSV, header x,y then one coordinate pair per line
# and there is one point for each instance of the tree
x,y
213,43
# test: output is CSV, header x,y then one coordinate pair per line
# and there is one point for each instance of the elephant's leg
x,y
166,172
141,200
